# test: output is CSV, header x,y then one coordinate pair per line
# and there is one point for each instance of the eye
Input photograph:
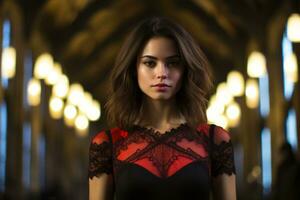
x,y
173,63
149,63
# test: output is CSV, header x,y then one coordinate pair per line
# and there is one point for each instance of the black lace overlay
x,y
135,137
162,150
177,164
222,159
100,159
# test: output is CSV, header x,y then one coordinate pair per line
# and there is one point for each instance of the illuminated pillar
x,y
296,100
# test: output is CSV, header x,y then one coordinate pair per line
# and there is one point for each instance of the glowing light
x,y
54,74
291,67
70,113
43,66
287,50
61,88
214,116
76,94
293,27
266,159
252,93
233,114
222,121
56,107
34,92
81,125
8,62
235,83
85,103
94,112
211,114
264,96
291,129
217,105
223,94
256,65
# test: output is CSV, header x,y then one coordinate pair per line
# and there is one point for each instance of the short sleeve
x,y
100,155
222,154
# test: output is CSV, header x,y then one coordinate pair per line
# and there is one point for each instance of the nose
x,y
162,71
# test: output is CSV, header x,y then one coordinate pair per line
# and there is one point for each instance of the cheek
x,y
178,77
143,75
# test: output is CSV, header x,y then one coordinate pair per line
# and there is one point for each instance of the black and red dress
x,y
176,165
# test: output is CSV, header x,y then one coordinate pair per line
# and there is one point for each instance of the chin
x,y
161,97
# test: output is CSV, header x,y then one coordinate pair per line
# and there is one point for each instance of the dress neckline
x,y
157,133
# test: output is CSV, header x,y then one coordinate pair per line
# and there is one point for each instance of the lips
x,y
161,85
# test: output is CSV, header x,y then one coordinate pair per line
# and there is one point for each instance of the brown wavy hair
x,y
124,104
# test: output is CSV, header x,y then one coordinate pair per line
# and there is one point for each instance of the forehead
x,y
160,47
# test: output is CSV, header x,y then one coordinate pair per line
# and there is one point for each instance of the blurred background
x,y
55,59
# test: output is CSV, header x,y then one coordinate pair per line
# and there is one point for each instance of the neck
x,y
160,113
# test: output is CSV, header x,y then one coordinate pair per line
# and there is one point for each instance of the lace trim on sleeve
x,y
223,159
222,156
100,159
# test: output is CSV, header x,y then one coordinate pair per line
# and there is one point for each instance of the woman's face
x,y
159,63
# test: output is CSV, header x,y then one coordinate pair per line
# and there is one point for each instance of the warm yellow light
x,y
222,121
61,88
70,113
235,83
76,94
252,93
81,125
34,92
233,114
54,74
94,111
43,66
85,103
217,105
223,94
214,116
56,105
293,27
215,110
211,115
291,67
8,62
256,66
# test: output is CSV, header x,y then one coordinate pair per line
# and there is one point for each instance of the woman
x,y
161,146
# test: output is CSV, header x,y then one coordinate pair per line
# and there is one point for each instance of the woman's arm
x,y
223,168
224,187
100,171
101,188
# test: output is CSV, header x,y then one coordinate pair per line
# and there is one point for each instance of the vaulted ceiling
x,y
85,35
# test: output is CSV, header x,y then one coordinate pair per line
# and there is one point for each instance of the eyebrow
x,y
153,57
